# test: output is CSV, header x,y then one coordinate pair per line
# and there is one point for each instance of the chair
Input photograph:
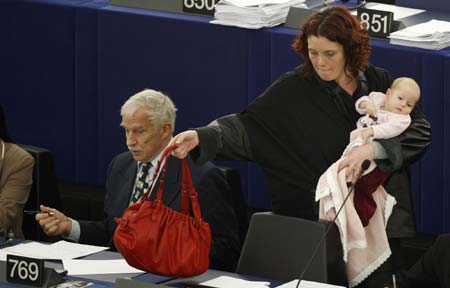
x,y
43,191
278,247
236,199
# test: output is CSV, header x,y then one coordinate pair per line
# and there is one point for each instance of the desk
x,y
211,274
102,280
74,86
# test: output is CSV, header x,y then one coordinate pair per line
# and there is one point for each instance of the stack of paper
x,y
433,34
253,14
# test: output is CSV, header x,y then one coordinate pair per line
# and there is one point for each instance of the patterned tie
x,y
142,183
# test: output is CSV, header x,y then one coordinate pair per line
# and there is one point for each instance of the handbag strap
x,y
161,162
187,187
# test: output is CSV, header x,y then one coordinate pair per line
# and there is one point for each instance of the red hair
x,y
337,25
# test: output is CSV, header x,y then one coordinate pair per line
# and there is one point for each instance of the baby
x,y
386,115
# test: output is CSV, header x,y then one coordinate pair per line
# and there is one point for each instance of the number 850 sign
x,y
378,23
205,7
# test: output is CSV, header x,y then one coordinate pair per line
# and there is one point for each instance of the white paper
x,y
248,3
89,267
399,12
433,34
60,250
253,17
308,284
232,282
423,30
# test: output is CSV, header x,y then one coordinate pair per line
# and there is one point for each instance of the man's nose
x,y
131,140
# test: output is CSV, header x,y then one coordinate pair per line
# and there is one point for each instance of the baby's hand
x,y
371,109
366,134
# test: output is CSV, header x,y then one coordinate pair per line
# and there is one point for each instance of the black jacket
x,y
298,127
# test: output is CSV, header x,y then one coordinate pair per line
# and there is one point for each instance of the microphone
x,y
364,166
8,238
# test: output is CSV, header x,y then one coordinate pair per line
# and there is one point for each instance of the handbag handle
x,y
187,187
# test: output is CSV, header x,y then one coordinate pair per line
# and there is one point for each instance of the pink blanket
x,y
365,248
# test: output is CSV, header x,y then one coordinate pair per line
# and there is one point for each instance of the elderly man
x,y
148,119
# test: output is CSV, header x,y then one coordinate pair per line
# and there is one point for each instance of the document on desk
x,y
308,284
248,3
90,267
232,282
434,34
60,250
399,12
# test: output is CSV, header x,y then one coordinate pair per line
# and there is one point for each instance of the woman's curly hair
x,y
337,25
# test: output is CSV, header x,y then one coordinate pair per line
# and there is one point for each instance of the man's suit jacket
x,y
16,177
210,185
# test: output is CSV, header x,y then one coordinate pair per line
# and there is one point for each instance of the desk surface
x,y
102,280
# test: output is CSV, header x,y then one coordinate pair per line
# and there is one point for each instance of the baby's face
x,y
401,101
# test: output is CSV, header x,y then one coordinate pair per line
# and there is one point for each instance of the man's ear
x,y
166,130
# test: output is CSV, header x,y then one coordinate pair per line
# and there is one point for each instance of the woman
x,y
300,125
16,172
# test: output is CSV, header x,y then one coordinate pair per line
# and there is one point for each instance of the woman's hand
x,y
354,159
54,224
184,143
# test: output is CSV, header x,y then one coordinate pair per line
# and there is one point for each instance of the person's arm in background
x,y
101,232
432,269
18,177
87,232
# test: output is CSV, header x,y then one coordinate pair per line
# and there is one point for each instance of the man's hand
x,y
184,143
56,224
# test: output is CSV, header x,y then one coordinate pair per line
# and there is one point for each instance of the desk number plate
x,y
378,23
24,270
204,7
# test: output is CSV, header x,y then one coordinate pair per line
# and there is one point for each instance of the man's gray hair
x,y
158,106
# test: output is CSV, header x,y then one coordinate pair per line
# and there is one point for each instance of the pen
x,y
34,212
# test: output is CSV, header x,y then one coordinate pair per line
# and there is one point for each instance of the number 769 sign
x,y
24,270
378,23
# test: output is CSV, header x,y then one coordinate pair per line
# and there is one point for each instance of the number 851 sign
x,y
378,23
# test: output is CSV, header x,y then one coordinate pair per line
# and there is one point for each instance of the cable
x,y
364,166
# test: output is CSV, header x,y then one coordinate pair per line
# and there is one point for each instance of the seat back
x,y
43,191
236,199
278,247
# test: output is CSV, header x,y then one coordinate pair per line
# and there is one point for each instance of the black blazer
x,y
211,186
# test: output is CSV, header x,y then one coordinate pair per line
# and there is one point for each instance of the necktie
x,y
142,183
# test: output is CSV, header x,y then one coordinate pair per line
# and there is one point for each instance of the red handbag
x,y
154,238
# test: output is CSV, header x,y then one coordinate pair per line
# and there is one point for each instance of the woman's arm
x,y
224,138
409,146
